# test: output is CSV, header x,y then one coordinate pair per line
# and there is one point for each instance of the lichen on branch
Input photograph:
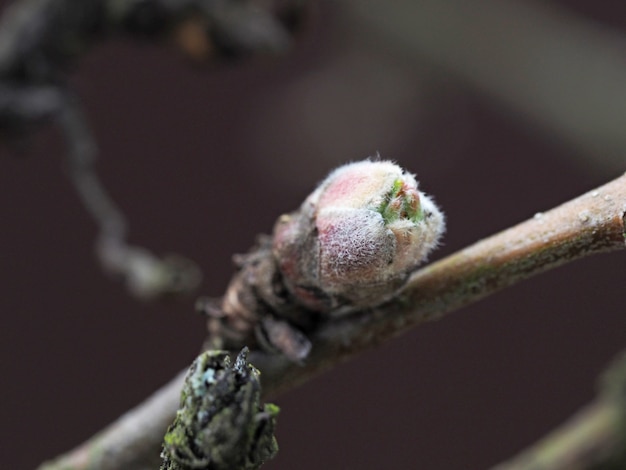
x,y
221,424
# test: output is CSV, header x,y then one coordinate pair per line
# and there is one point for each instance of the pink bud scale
x,y
357,237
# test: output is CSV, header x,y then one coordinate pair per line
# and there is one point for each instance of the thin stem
x,y
131,442
81,157
594,439
584,441
146,276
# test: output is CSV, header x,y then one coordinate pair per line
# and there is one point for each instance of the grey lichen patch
x,y
584,217
221,424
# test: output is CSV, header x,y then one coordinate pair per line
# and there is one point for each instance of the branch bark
x,y
133,440
592,223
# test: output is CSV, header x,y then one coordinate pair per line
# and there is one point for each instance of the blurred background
x,y
503,109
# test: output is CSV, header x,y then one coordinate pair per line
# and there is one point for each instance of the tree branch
x,y
592,223
133,440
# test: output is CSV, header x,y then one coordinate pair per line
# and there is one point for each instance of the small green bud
x,y
221,424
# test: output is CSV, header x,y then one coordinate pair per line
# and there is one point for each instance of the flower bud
x,y
356,238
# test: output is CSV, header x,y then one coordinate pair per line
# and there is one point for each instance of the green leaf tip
x,y
401,202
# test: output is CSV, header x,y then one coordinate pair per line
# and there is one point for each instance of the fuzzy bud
x,y
356,238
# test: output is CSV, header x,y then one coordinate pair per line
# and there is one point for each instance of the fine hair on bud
x,y
357,237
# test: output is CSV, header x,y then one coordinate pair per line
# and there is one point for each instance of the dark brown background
x,y
203,160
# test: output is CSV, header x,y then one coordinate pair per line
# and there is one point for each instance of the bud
x,y
356,238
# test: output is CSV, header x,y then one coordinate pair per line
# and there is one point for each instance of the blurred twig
x,y
558,70
593,439
40,39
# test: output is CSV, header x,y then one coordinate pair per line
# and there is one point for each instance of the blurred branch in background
x,y
560,71
41,39
593,439
357,96
392,71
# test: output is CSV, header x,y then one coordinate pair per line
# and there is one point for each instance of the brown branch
x,y
592,223
130,442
